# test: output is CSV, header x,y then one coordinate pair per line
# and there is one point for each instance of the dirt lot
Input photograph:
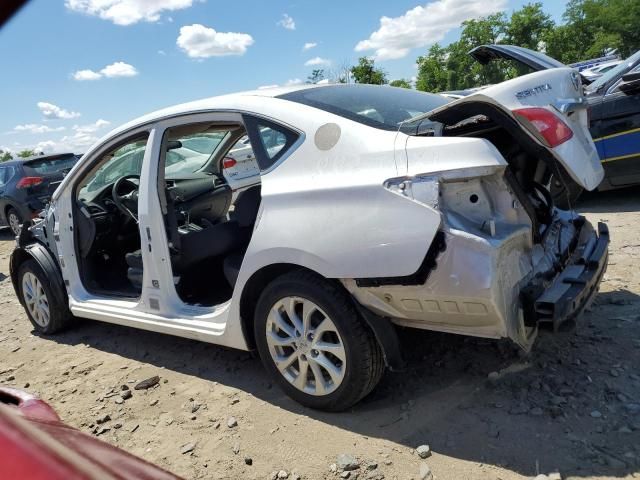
x,y
573,407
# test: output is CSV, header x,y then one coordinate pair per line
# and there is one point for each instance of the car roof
x,y
217,102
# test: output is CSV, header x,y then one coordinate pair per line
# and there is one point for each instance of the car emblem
x,y
533,91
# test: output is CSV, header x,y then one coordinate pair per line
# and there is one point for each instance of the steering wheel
x,y
127,202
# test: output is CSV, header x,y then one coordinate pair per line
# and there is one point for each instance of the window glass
x,y
46,166
273,141
4,176
122,161
270,141
380,107
190,148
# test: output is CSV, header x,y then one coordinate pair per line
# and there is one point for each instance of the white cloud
x,y
83,75
317,61
48,146
83,137
264,87
92,127
309,46
127,12
51,111
119,69
293,81
287,22
161,52
36,128
116,69
424,25
199,41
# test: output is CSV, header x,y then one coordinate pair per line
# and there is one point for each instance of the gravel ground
x,y
570,409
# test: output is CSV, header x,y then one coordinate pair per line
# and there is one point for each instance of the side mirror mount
x,y
630,83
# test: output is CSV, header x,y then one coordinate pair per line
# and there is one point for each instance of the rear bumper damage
x,y
499,284
560,294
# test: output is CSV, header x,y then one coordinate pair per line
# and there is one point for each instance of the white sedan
x,y
375,207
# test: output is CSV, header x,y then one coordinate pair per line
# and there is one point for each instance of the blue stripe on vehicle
x,y
619,145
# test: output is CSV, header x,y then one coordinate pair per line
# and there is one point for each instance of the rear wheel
x,y
14,220
46,313
314,343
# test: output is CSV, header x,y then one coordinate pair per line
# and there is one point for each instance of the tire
x,y
14,220
356,360
37,297
565,192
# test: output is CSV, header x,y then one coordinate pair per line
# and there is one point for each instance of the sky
x,y
74,69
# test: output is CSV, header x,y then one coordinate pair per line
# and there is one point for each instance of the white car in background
x,y
375,207
596,72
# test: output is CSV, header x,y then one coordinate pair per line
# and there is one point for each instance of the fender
x,y
38,252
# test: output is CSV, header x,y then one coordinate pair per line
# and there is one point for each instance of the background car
x,y
614,107
596,72
41,446
26,185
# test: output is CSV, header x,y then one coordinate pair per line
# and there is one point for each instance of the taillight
x,y
228,162
550,126
26,182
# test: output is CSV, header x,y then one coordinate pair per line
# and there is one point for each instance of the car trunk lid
x,y
557,91
536,61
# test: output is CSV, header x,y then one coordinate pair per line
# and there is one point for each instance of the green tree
x,y
5,156
591,27
26,153
528,27
401,82
432,72
316,76
366,72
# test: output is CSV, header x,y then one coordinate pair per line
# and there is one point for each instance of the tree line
x,y
589,29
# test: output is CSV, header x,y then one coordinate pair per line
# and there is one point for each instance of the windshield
x,y
376,106
614,72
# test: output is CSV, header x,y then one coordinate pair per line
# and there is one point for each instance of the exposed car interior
x,y
208,225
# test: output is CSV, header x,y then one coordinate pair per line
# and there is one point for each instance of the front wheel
x,y
314,343
46,313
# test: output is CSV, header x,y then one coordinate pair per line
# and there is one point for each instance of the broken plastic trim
x,y
428,264
536,297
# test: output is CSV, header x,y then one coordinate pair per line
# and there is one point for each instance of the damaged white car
x,y
375,207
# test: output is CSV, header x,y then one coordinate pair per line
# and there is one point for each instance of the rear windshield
x,y
376,106
46,166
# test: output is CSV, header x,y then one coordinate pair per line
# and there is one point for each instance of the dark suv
x,y
26,185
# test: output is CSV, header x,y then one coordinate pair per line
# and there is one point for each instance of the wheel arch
x,y
384,331
5,210
45,260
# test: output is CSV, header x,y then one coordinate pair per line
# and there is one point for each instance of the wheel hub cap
x,y
35,299
305,346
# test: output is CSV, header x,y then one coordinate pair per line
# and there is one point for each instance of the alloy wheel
x,y
14,223
35,299
305,346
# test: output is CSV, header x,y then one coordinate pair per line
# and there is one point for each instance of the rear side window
x,y
49,165
269,141
5,175
375,106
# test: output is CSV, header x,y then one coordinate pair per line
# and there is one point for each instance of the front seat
x,y
217,240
